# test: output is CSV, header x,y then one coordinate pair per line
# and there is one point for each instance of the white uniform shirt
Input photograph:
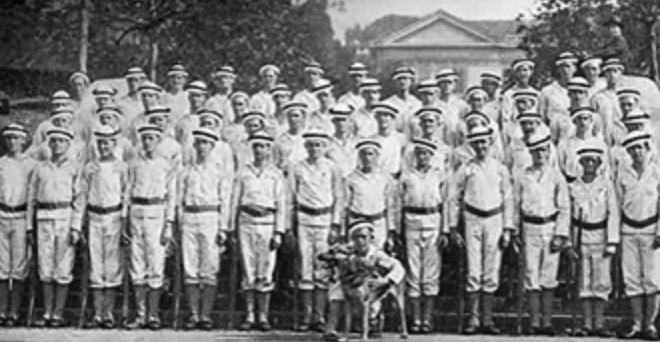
x,y
317,187
592,203
639,196
15,174
424,189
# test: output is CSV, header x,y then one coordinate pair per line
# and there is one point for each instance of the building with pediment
x,y
442,40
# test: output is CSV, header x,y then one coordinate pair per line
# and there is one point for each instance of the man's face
x,y
384,120
361,240
476,122
253,126
159,120
261,151
149,99
295,118
477,101
490,86
637,152
590,165
61,121
268,78
429,124
447,86
524,104
60,105
324,98
203,147
583,122
79,86
177,81
423,156
577,97
315,148
240,105
566,70
591,71
480,148
196,99
105,147
524,73
368,157
14,143
58,146
103,101
108,119
627,104
208,122
134,82
428,97
614,30
223,82
540,155
356,79
528,127
149,141
371,95
281,98
613,75
403,83
313,76
341,124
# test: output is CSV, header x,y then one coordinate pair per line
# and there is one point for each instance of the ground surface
x,y
62,335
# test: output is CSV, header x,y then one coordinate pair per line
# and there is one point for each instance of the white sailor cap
x,y
425,111
150,87
612,63
314,67
294,106
177,69
539,139
580,111
206,134
210,113
225,71
404,71
341,110
636,116
323,85
261,137
59,132
358,68
522,62
280,89
157,110
491,76
104,90
384,108
150,129
475,90
15,129
446,75
427,86
111,110
359,226
529,115
592,61
60,97
479,133
78,74
578,84
368,143
197,87
267,67
475,114
636,138
525,95
253,115
60,112
106,132
628,92
238,95
566,58
425,145
370,84
135,72
315,134
589,149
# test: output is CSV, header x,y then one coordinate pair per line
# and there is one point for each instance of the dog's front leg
x,y
365,320
348,318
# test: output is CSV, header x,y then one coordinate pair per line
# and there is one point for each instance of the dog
x,y
364,287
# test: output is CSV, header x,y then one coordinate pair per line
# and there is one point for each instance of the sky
x,y
364,12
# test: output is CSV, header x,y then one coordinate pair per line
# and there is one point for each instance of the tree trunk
x,y
84,35
654,52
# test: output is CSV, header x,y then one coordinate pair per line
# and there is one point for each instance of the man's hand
x,y
656,242
517,243
276,241
505,239
610,249
391,243
334,234
74,237
456,238
166,234
443,241
29,238
557,244
221,239
125,232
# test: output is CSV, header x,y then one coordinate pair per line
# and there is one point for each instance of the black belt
x,y
314,211
13,209
53,205
257,211
147,200
422,210
368,217
104,210
639,224
196,209
540,219
590,225
483,213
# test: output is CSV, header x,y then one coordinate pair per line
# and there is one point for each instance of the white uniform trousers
x,y
640,264
541,265
147,253
201,255
56,254
424,262
105,252
596,281
312,241
257,258
14,254
484,256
